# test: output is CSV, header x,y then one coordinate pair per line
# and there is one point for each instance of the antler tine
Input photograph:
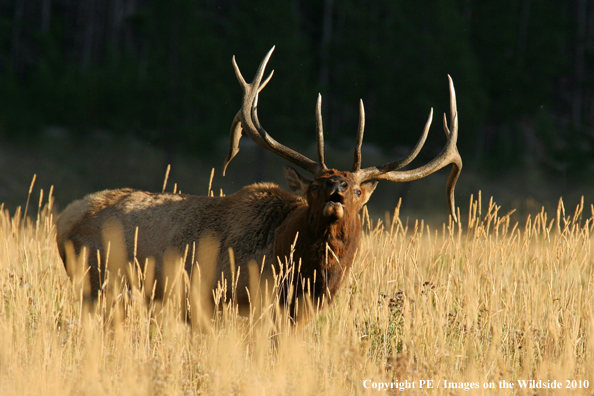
x,y
320,130
359,141
456,159
455,173
453,108
259,73
247,120
238,74
392,166
262,87
415,151
448,155
265,81
233,141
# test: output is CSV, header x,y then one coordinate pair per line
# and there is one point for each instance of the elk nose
x,y
336,185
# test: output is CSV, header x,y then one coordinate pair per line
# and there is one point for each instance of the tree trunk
x,y
46,15
581,16
324,52
88,20
580,50
325,44
16,50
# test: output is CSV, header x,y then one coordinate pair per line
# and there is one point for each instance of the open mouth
x,y
336,198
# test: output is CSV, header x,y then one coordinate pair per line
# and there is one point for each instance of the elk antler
x,y
246,120
448,155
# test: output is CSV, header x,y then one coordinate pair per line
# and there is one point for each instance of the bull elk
x,y
260,223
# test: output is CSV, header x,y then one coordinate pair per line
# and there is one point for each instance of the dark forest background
x,y
158,73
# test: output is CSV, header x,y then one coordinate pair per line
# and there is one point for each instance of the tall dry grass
x,y
481,302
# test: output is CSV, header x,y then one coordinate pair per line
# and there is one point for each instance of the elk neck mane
x,y
323,249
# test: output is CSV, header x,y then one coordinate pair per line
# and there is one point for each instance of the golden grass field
x,y
473,304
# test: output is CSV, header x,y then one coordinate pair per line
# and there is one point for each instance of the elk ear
x,y
367,189
297,183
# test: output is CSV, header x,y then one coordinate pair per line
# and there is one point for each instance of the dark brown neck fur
x,y
328,267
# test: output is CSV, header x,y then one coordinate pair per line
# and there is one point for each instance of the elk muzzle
x,y
335,188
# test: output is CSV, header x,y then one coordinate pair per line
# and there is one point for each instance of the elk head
x,y
337,194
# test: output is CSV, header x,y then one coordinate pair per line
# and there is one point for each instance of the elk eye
x,y
314,187
358,193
